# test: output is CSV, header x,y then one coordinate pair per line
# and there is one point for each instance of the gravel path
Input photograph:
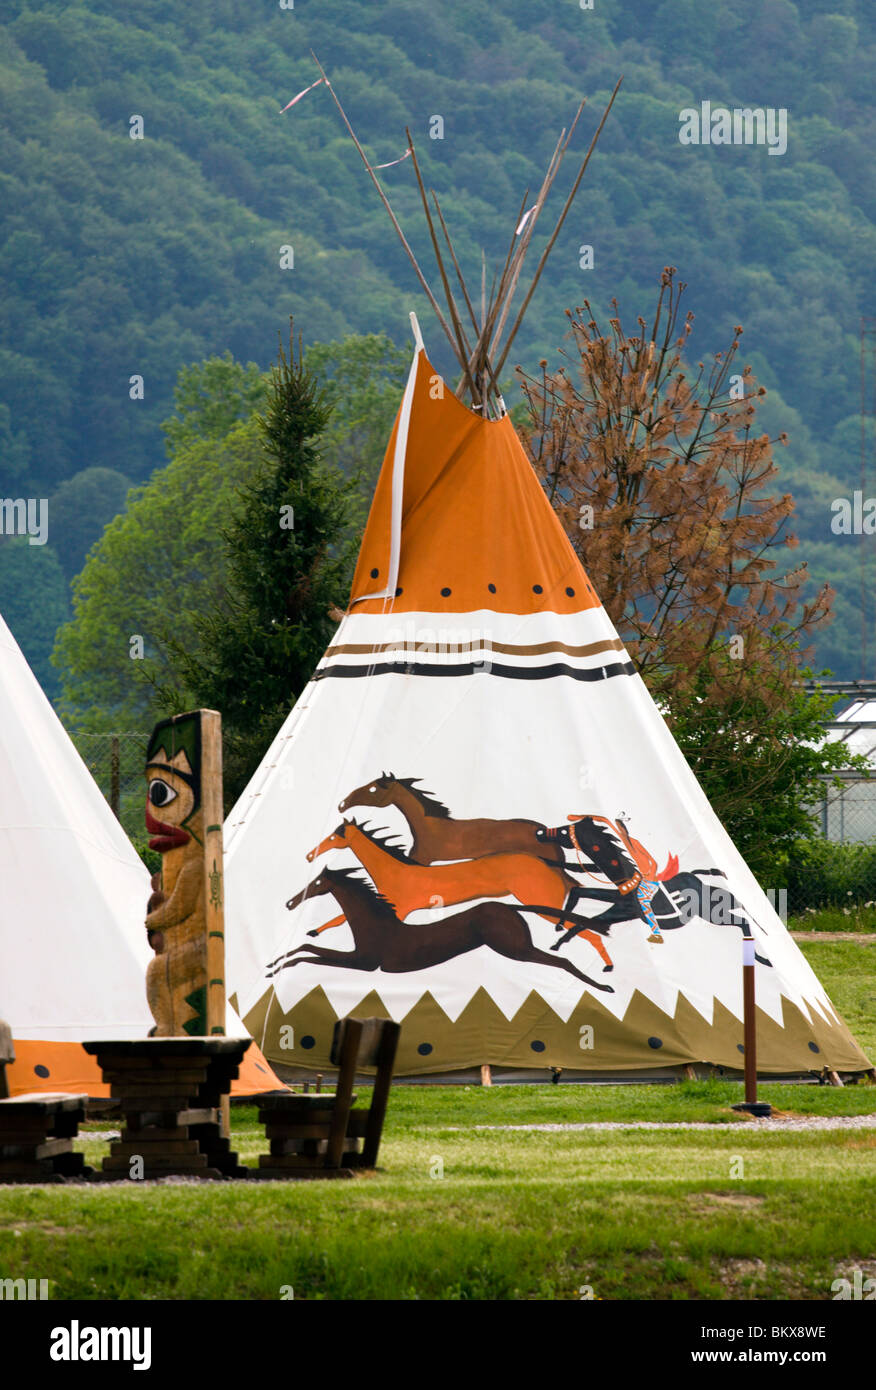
x,y
774,1122
863,938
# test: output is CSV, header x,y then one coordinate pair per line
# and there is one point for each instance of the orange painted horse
x,y
410,887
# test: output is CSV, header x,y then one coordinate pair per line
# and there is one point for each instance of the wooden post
x,y
214,876
185,983
7,1057
749,1026
749,1034
486,1075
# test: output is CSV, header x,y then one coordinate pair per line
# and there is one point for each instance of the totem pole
x,y
185,983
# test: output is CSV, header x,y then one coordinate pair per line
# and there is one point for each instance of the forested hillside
x,y
132,257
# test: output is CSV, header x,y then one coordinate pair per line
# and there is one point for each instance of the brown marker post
x,y
749,1033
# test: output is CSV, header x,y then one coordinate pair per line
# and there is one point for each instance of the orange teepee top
x,y
477,532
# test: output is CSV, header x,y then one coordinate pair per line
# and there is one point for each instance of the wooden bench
x,y
321,1135
169,1091
36,1138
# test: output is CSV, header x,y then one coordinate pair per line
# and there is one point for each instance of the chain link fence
x,y
116,762
839,871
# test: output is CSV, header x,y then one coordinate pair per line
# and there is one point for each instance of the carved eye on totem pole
x,y
160,793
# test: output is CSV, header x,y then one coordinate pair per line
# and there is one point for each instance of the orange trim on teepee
x,y
66,1066
459,470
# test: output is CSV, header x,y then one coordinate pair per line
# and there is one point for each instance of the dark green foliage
x,y
289,557
34,601
79,511
166,554
123,256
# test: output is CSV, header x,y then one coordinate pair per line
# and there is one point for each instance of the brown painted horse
x,y
410,887
437,836
382,942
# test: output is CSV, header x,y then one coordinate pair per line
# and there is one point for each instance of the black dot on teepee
x,y
655,1043
307,1041
492,588
537,1046
41,1070
571,593
813,1047
424,1049
445,593
537,589
374,574
739,1047
399,592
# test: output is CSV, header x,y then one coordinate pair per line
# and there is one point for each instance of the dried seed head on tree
x,y
687,539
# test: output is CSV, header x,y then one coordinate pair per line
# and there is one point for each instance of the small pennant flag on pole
x,y
392,161
524,219
290,104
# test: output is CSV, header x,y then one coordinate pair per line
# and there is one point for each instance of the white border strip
x,y
398,474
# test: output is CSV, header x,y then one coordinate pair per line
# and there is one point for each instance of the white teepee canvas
x,y
477,705
73,894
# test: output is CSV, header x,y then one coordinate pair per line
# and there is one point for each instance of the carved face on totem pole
x,y
175,922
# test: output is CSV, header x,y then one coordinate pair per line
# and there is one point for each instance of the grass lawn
x,y
462,1212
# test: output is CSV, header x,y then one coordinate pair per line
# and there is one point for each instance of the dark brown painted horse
x,y
438,837
382,942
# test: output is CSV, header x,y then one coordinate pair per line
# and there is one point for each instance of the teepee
x,y
461,824
73,893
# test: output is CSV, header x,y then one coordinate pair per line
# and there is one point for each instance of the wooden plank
x,y
20,1167
121,1148
141,1077
348,1051
71,1164
390,1034
305,1144
292,1162
292,1103
298,1174
30,1177
293,1133
27,1136
161,1065
372,1038
155,1134
171,1047
35,1103
173,1117
169,1163
27,1152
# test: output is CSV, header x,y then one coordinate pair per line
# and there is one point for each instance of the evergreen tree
x,y
290,552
